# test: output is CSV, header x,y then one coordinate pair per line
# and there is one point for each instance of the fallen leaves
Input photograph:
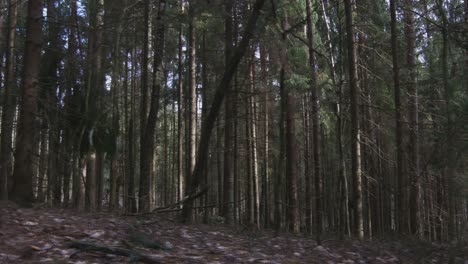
x,y
41,235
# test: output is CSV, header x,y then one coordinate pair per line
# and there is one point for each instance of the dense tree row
x,y
332,118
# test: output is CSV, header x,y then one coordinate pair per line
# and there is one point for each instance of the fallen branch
x,y
183,201
141,239
133,255
172,207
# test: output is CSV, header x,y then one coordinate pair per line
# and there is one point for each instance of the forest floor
x,y
64,236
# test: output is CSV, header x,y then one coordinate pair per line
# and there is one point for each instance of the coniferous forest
x,y
324,120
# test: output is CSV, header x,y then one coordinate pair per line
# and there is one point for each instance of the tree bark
x,y
180,114
315,121
70,107
266,138
450,161
398,120
415,192
466,49
191,110
145,176
42,166
291,162
278,182
253,142
355,130
147,150
49,80
90,186
8,109
22,191
130,192
226,211
207,127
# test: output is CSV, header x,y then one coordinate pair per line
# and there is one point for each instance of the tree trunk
x,y
130,192
191,96
22,191
144,70
100,156
147,150
70,106
8,109
49,80
145,176
266,139
42,165
78,177
226,211
91,184
343,180
315,116
398,121
253,142
180,115
355,130
235,177
466,49
413,146
53,176
165,175
307,164
207,127
291,162
278,182
94,92
205,93
450,161
249,191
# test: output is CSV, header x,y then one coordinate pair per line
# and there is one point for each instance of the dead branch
x,y
133,255
172,207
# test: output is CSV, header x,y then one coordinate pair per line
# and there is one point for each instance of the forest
x,y
324,120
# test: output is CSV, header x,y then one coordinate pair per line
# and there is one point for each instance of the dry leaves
x,y
40,236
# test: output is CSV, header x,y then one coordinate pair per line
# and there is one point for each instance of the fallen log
x,y
93,247
172,207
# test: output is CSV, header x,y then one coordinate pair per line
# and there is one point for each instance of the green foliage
x,y
205,21
297,82
298,56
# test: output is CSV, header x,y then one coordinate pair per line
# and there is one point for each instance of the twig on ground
x,y
133,255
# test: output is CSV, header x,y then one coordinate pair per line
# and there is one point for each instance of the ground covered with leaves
x,y
66,236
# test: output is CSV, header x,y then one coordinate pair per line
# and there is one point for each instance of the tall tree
x,y
315,116
266,137
8,110
450,160
22,191
69,104
413,146
466,49
355,130
145,173
208,125
288,102
95,90
147,153
49,81
291,161
191,95
229,120
398,117
180,110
